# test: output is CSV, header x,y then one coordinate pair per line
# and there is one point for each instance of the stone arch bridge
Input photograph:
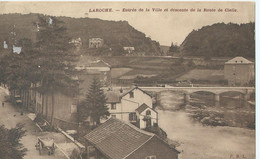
x,y
246,91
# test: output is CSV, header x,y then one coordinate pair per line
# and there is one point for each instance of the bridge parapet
x,y
214,90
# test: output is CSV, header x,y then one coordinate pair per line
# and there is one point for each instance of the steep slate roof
x,y
99,63
134,89
143,107
117,139
238,60
113,97
90,62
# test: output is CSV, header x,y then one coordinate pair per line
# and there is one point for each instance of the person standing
x,y
3,104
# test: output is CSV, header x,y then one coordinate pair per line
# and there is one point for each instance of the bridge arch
x,y
233,91
203,96
200,91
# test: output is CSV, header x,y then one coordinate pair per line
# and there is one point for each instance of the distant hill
x,y
221,40
116,34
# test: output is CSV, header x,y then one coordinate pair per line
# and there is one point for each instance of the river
x,y
204,142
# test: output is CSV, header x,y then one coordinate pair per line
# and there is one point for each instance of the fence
x,y
65,125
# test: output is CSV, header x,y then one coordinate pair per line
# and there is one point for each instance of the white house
x,y
5,45
133,106
129,49
17,49
96,43
147,116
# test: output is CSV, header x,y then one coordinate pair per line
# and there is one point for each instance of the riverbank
x,y
196,127
231,112
204,142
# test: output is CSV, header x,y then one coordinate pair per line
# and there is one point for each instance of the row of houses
x,y
121,136
60,107
99,43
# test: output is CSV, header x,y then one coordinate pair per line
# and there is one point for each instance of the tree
x,y
11,148
173,49
16,68
94,105
55,59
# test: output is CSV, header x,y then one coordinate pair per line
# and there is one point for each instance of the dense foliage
x,y
45,62
54,55
94,105
116,35
174,49
11,148
221,40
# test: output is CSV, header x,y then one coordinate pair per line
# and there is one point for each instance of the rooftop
x,y
87,61
142,108
117,139
114,96
238,60
98,63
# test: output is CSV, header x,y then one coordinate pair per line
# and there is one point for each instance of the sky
x,y
164,27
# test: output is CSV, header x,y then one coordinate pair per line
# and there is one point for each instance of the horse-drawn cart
x,y
45,144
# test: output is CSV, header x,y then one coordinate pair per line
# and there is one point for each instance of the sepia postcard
x,y
127,80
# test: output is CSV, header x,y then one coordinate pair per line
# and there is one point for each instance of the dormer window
x,y
148,112
131,94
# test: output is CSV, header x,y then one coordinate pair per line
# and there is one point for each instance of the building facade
x,y
60,108
129,49
133,106
239,71
96,43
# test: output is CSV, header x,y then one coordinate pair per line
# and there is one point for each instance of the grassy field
x,y
164,70
148,67
203,74
118,72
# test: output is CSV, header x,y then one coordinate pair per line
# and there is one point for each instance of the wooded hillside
x,y
226,40
116,34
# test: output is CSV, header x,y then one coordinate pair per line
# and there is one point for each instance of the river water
x,y
198,141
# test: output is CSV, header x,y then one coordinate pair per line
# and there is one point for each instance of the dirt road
x,y
10,116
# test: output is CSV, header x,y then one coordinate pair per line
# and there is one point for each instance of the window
x,y
113,106
148,112
73,108
132,117
150,157
131,94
